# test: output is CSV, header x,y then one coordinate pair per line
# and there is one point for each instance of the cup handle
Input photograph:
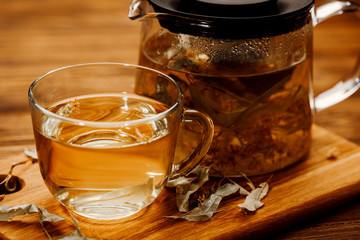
x,y
207,133
346,87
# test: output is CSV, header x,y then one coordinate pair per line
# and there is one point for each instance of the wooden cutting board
x,y
296,194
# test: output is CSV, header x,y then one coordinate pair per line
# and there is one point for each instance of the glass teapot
x,y
248,65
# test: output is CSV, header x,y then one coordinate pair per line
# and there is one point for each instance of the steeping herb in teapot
x,y
261,110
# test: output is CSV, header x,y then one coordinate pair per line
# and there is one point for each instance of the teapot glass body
x,y
257,88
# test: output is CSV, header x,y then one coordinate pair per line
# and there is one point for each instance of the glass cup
x,y
106,136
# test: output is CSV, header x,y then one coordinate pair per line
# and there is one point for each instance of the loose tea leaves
x,y
202,213
252,201
189,186
206,210
8,213
227,189
208,199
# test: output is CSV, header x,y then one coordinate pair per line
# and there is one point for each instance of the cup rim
x,y
79,122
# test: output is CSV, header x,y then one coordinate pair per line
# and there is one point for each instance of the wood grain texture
x,y
312,186
36,37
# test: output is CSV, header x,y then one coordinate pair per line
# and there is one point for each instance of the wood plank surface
x,y
36,37
311,187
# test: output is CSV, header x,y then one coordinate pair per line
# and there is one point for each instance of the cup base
x,y
108,205
108,212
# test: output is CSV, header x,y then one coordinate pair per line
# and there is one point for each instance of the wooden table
x,y
38,36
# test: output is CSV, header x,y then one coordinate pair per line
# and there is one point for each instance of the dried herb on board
x,y
252,201
187,187
8,213
209,199
210,205
7,180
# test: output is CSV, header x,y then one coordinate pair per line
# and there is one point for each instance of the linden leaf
x,y
243,191
202,213
252,201
7,213
186,188
45,216
227,189
209,206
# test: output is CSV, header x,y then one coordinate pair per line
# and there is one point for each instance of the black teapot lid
x,y
233,18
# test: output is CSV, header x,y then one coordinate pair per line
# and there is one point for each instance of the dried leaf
x,y
243,191
31,153
227,189
207,207
198,172
250,183
184,190
206,210
252,201
202,213
45,216
7,213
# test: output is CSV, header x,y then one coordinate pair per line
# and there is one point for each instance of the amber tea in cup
x,y
106,142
